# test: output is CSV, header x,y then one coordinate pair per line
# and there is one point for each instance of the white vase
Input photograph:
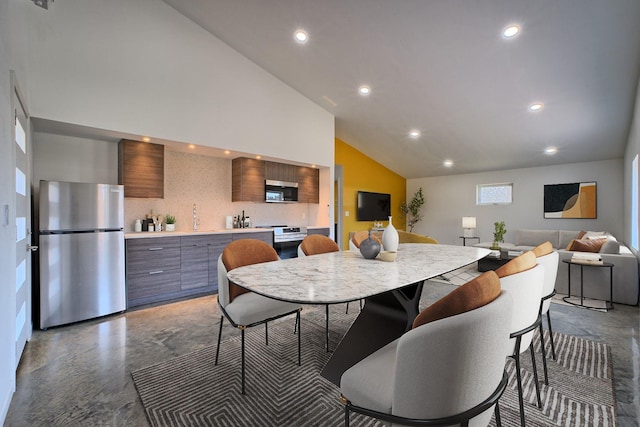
x,y
390,238
171,227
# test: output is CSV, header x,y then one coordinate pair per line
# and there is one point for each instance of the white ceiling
x,y
442,66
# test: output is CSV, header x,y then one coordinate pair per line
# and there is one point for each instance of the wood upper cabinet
x,y
141,169
248,176
308,185
247,180
281,172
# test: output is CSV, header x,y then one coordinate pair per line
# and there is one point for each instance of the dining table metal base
x,y
384,318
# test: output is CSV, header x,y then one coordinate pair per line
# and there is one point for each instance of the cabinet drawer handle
x,y
156,249
156,272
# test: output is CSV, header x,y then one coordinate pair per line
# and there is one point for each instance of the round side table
x,y
608,304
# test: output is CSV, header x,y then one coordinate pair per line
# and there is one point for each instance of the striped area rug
x,y
190,391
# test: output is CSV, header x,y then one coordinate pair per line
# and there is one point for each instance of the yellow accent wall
x,y
362,173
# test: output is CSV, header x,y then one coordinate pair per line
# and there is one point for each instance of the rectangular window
x,y
21,136
634,203
494,194
21,274
21,182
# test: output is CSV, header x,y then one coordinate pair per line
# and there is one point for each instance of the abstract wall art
x,y
576,200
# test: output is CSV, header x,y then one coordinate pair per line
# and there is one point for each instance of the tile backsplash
x,y
206,181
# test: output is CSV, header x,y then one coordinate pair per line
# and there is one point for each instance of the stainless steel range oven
x,y
286,239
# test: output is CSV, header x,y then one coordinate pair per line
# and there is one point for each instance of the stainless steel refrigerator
x,y
81,251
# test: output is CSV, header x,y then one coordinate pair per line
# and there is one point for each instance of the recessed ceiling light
x,y
301,36
537,106
415,134
146,139
258,157
550,151
364,90
447,163
511,31
191,146
227,152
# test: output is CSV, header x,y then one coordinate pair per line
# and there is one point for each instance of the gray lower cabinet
x,y
152,269
194,262
166,268
265,236
324,231
216,246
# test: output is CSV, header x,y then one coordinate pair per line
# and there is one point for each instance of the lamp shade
x,y
468,222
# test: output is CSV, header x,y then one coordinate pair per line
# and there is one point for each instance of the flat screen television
x,y
373,206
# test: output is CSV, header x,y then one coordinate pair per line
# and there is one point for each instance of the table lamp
x,y
469,226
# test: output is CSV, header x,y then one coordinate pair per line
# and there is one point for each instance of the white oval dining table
x,y
391,290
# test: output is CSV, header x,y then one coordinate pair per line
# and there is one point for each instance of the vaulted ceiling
x,y
444,68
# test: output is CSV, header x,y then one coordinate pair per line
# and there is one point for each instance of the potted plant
x,y
498,235
171,222
412,210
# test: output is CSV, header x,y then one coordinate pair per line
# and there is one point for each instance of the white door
x,y
23,226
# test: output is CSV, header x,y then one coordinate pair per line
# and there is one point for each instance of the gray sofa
x,y
626,288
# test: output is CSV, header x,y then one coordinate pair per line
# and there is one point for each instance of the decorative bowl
x,y
388,256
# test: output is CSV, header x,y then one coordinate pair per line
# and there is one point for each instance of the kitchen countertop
x,y
148,234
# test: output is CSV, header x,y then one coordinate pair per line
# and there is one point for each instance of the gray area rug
x,y
190,391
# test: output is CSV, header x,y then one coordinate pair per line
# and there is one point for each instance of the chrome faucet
x,y
195,218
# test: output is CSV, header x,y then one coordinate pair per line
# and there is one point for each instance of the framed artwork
x,y
576,200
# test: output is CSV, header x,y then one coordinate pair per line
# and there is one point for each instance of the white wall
x,y
64,158
189,178
448,199
140,67
7,232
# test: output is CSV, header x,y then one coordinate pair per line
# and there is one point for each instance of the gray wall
x,y
448,199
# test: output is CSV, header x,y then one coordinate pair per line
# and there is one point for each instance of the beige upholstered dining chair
x,y
446,370
242,307
523,278
315,244
407,237
549,258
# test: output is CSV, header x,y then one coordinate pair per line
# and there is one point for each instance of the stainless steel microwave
x,y
280,191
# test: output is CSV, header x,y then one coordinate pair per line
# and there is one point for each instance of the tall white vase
x,y
390,238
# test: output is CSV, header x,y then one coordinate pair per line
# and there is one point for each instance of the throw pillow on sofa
x,y
586,245
610,247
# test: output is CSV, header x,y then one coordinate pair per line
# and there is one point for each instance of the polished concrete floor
x,y
80,375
